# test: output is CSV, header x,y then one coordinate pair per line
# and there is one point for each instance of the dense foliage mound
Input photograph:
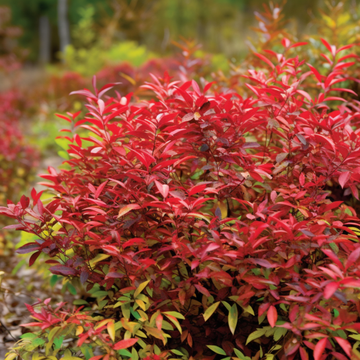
x,y
203,222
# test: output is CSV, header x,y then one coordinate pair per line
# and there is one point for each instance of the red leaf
x,y
315,72
344,178
34,257
303,354
30,247
263,58
100,189
327,45
63,117
345,345
272,315
124,344
320,348
298,44
208,86
163,188
330,289
353,257
63,270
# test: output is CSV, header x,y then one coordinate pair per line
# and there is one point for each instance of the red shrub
x,y
202,222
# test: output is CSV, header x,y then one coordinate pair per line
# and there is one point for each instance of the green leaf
x,y
216,349
255,335
53,280
233,318
177,352
72,289
53,332
100,293
210,310
80,302
334,247
240,355
124,352
279,332
28,336
63,154
58,342
135,314
102,303
18,266
87,351
37,342
134,354
227,305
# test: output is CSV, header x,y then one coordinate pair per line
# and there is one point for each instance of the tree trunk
x,y
63,24
45,42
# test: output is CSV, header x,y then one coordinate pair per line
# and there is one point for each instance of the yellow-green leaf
x,y
223,209
98,258
11,356
255,335
38,356
210,310
174,314
79,330
102,323
111,330
248,309
175,322
128,208
143,315
140,288
141,304
200,216
233,318
216,349
134,354
53,332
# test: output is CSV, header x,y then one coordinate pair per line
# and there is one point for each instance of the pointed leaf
x,y
272,315
140,288
233,318
210,310
320,348
124,344
128,208
216,349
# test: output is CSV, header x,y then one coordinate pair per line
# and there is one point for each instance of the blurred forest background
x,y
48,26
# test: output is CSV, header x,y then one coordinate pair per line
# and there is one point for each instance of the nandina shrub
x,y
202,223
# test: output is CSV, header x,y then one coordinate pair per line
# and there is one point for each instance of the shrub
x,y
17,166
202,222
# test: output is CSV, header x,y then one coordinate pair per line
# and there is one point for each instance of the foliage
x,y
204,221
154,23
89,53
17,166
